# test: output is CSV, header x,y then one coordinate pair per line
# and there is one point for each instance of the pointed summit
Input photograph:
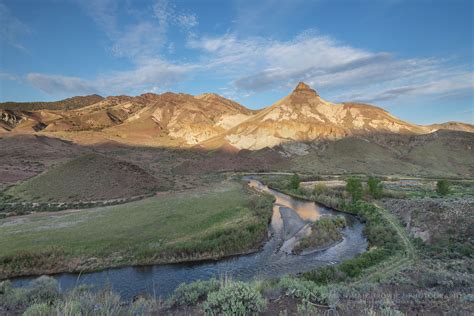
x,y
304,88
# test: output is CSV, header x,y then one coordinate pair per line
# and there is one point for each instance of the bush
x,y
69,307
43,289
295,182
375,187
235,298
305,290
442,187
39,309
141,307
189,294
354,187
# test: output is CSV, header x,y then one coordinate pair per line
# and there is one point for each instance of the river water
x,y
290,221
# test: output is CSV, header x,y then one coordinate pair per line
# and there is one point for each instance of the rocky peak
x,y
304,88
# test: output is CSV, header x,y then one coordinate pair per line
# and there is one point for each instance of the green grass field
x,y
175,227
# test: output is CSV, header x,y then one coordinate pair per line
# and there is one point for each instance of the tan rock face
x,y
304,116
181,118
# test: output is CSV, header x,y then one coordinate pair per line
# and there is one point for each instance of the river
x,y
290,221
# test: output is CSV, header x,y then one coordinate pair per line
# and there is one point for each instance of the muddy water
x,y
291,220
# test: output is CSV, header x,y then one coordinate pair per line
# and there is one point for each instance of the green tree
x,y
375,187
442,187
295,182
354,187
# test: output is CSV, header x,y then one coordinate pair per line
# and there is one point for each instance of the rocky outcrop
x,y
9,119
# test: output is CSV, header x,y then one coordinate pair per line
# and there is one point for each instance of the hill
x,y
64,105
90,177
453,126
442,153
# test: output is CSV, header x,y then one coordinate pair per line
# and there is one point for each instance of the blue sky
x,y
414,58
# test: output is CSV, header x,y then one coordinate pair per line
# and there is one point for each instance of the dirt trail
x,y
397,262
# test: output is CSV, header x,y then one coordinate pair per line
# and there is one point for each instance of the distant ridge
x,y
66,104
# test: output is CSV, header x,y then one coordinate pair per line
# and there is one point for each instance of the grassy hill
x,y
90,177
443,153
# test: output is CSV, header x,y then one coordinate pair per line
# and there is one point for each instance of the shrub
x,y
43,289
141,307
442,187
306,309
294,182
69,306
304,289
39,309
354,187
12,298
235,298
189,294
375,187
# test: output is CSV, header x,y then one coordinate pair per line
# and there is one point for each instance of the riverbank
x,y
223,220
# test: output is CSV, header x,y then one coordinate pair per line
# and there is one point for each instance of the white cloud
x,y
187,21
146,34
448,86
148,75
142,39
60,84
9,76
260,64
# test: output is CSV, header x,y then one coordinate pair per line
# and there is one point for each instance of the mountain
x,y
166,119
181,119
305,116
206,121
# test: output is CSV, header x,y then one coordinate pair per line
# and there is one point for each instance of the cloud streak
x,y
259,64
60,84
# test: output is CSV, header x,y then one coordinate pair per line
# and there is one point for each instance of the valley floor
x,y
209,223
431,277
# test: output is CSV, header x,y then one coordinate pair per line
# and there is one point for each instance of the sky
x,y
414,58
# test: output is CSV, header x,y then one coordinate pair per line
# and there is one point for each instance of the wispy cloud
x,y
260,64
441,83
11,28
250,64
141,42
148,75
60,84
